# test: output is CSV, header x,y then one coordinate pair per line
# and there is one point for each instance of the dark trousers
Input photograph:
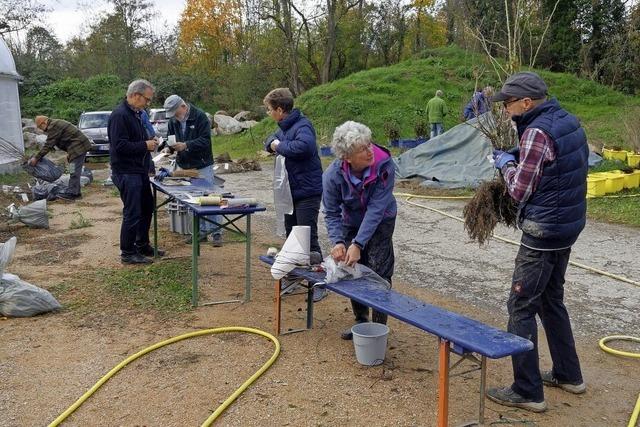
x,y
377,255
305,212
537,288
137,212
75,172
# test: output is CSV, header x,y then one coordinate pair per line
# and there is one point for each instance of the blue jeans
x,y
137,211
206,227
436,129
538,288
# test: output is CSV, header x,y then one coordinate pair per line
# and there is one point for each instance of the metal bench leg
x,y
310,306
483,386
443,383
278,302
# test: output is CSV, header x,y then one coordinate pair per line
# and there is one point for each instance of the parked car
x,y
158,118
94,125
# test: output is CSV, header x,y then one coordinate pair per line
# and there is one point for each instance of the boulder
x,y
242,116
30,140
227,125
248,124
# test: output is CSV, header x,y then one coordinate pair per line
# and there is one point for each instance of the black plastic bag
x,y
45,170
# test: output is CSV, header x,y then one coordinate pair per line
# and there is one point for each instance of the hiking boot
x,y
507,397
148,251
319,294
347,335
549,380
135,259
289,286
189,238
216,240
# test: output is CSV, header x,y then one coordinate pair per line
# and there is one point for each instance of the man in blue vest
x,y
549,183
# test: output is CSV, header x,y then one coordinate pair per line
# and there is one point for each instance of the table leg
x,y
278,310
247,262
310,306
483,386
155,222
195,251
443,384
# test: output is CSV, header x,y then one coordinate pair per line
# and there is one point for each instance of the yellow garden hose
x,y
603,345
156,346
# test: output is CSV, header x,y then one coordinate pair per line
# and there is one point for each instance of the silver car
x,y
94,125
158,118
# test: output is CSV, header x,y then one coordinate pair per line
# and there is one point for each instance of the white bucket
x,y
370,342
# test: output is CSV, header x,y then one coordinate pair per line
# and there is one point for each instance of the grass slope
x,y
401,92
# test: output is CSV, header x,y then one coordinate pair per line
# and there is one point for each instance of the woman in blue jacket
x,y
295,140
360,210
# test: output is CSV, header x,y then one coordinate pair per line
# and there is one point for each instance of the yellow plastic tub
x,y
614,154
596,186
631,180
615,182
633,159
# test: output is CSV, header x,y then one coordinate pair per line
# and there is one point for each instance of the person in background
x,y
151,134
67,137
436,110
480,103
295,140
359,206
129,149
192,130
550,184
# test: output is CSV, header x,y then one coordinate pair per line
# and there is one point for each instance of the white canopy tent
x,y
10,122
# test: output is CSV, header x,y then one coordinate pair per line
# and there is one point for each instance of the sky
x,y
69,18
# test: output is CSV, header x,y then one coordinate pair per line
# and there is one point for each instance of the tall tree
x,y
18,15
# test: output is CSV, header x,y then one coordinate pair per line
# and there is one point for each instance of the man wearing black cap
x,y
549,183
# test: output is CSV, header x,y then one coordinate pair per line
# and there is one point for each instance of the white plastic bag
x,y
281,194
34,215
340,271
7,249
21,299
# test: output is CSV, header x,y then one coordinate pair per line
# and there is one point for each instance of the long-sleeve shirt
x,y
65,136
536,149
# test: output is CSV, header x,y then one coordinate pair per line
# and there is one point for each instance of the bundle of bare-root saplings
x,y
492,203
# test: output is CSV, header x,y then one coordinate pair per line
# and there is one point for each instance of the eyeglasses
x,y
145,98
505,104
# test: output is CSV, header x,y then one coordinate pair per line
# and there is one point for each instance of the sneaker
x,y
135,259
549,380
216,240
148,251
189,238
347,335
507,397
319,294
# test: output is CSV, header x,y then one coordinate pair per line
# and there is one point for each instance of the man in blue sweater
x,y
130,164
549,182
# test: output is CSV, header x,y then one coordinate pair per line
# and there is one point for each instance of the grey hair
x,y
139,86
349,136
438,92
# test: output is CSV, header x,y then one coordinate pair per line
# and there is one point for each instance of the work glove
x,y
501,158
162,174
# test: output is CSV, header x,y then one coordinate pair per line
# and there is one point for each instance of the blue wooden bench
x,y
470,339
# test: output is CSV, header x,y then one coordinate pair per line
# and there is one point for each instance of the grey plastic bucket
x,y
370,342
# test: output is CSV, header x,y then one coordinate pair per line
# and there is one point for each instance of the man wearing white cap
x,y
192,130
